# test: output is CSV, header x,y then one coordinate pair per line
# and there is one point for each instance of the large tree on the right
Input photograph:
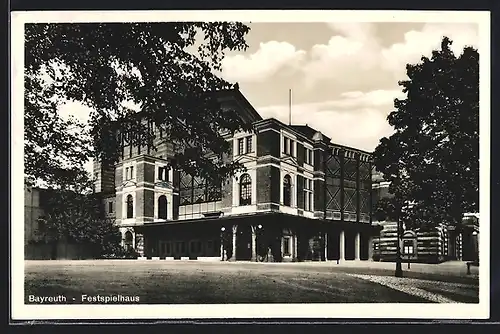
x,y
432,158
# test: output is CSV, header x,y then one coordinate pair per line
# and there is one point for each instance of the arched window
x,y
162,207
128,240
130,206
287,190
245,190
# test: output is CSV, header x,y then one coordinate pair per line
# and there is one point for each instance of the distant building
x,y
301,198
36,245
439,244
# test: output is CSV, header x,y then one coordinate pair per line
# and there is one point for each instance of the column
x,y
326,246
342,246
370,248
281,247
222,250
254,244
295,246
233,256
357,244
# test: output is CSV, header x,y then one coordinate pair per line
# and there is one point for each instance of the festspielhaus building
x,y
301,198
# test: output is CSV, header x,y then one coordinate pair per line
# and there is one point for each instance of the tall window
x,y
308,195
245,145
110,207
286,246
308,156
130,206
241,146
245,190
288,146
249,144
163,173
129,173
287,190
162,207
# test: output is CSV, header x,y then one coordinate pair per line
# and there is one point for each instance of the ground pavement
x,y
187,282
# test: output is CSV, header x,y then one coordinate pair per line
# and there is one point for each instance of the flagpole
x,y
290,106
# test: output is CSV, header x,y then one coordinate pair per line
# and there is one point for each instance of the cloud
x,y
354,54
355,30
356,119
421,43
270,58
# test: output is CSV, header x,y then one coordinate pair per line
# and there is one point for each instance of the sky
x,y
344,76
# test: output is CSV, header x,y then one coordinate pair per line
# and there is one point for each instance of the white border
x,y
431,311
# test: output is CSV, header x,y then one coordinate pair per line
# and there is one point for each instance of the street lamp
x,y
399,268
222,229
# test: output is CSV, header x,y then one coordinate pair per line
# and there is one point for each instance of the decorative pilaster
x,y
295,247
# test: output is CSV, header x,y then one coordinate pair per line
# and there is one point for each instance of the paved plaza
x,y
188,282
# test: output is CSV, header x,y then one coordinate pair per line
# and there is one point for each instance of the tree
x,y
432,159
168,73
79,219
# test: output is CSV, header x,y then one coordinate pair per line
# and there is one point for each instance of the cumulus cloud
x,y
356,119
354,53
421,43
264,63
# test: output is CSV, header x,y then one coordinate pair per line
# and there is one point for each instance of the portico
x,y
260,237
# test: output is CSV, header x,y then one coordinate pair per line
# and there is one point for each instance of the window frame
x,y
241,146
245,180
160,206
129,206
308,194
287,190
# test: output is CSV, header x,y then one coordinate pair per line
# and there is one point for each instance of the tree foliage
x,y
432,159
166,72
79,219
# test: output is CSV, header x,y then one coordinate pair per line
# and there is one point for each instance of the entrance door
x,y
244,243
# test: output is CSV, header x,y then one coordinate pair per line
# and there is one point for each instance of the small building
x,y
37,245
434,245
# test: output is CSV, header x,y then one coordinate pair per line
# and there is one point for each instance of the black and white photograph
x,y
245,164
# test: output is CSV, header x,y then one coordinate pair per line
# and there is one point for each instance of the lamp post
x,y
222,229
399,268
476,241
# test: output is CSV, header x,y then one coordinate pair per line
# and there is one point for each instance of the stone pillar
x,y
296,247
326,246
254,244
357,245
281,248
233,256
342,246
370,248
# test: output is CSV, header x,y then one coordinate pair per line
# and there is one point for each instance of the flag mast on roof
x,y
290,106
